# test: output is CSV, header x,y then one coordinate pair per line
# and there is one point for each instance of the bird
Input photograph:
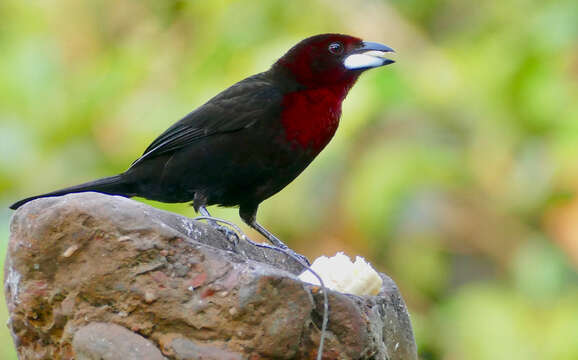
x,y
251,140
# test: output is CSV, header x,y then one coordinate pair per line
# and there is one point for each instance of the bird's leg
x,y
278,243
250,217
214,222
205,213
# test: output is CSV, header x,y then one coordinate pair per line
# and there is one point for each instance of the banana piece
x,y
339,273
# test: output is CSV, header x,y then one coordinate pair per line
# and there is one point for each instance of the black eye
x,y
335,48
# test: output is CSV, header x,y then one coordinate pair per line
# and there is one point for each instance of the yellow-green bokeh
x,y
454,170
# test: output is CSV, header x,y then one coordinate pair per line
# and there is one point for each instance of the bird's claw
x,y
231,235
282,249
231,231
302,258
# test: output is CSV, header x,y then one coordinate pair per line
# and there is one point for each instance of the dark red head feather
x,y
318,61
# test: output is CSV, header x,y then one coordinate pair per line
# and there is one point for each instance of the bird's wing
x,y
238,107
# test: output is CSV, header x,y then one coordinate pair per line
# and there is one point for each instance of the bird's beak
x,y
367,56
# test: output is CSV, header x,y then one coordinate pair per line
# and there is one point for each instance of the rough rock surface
x,y
90,276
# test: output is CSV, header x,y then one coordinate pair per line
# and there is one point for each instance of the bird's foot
x,y
232,232
302,259
282,249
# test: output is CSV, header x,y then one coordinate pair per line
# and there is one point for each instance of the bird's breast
x,y
310,117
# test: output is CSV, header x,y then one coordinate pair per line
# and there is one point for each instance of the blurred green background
x,y
454,170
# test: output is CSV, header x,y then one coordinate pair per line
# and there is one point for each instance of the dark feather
x,y
238,107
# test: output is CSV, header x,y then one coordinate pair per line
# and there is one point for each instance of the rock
x,y
91,276
97,341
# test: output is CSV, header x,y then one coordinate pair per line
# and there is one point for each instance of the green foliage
x,y
454,170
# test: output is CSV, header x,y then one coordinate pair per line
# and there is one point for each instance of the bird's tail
x,y
113,185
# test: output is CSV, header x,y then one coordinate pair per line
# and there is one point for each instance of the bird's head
x,y
331,59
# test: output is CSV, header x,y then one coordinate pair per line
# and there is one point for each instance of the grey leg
x,y
249,216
